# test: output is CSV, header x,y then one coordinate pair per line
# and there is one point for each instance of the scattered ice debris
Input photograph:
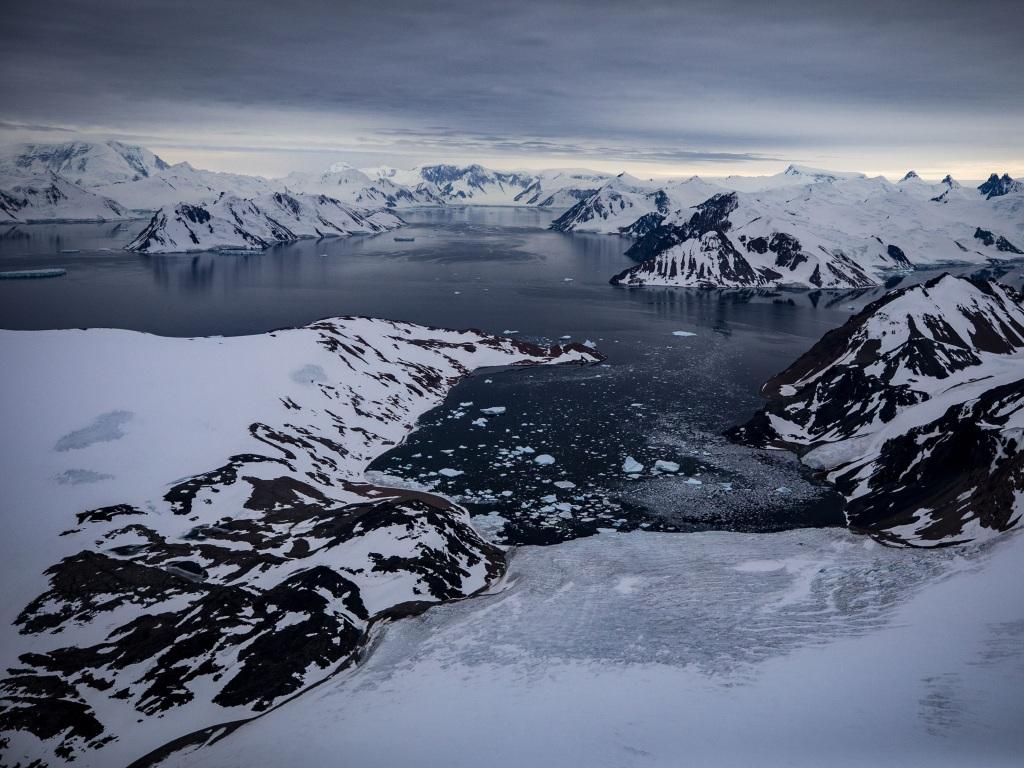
x,y
544,459
631,466
481,422
683,333
493,410
523,449
30,274
448,472
666,466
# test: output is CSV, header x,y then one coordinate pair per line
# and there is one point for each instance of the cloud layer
x,y
671,84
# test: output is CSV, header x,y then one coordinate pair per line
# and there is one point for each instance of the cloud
x,y
727,81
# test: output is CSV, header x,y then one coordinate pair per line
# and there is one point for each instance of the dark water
x,y
658,396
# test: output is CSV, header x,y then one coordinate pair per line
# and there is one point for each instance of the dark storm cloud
x,y
661,80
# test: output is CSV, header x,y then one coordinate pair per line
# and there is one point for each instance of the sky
x,y
656,88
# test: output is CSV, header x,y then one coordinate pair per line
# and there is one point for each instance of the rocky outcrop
x,y
914,410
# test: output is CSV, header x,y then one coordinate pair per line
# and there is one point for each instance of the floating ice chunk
x,y
693,481
465,405
568,279
487,381
524,449
544,459
567,336
494,410
631,466
549,499
506,494
783,490
589,343
683,333
507,332
565,484
666,466
447,472
481,422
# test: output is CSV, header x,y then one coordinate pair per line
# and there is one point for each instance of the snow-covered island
x,y
190,539
232,222
914,410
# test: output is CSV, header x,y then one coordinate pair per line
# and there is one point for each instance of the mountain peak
x,y
910,175
997,187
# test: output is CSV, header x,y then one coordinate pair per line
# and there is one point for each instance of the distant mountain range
x,y
803,227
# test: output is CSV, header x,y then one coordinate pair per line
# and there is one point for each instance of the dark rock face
x,y
852,406
1001,243
996,186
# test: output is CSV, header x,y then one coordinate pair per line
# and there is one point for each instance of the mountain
x,y
233,222
54,198
708,249
351,185
86,163
627,205
914,411
997,187
824,231
476,185
181,183
151,598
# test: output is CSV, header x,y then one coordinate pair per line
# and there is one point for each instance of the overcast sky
x,y
657,88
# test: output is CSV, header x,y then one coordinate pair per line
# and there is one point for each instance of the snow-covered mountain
x,y
476,185
627,205
181,183
54,198
356,187
190,539
997,186
829,231
234,222
914,410
86,163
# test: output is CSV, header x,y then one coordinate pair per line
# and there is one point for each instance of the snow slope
x,y
181,183
189,538
54,198
914,410
721,650
232,222
86,163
